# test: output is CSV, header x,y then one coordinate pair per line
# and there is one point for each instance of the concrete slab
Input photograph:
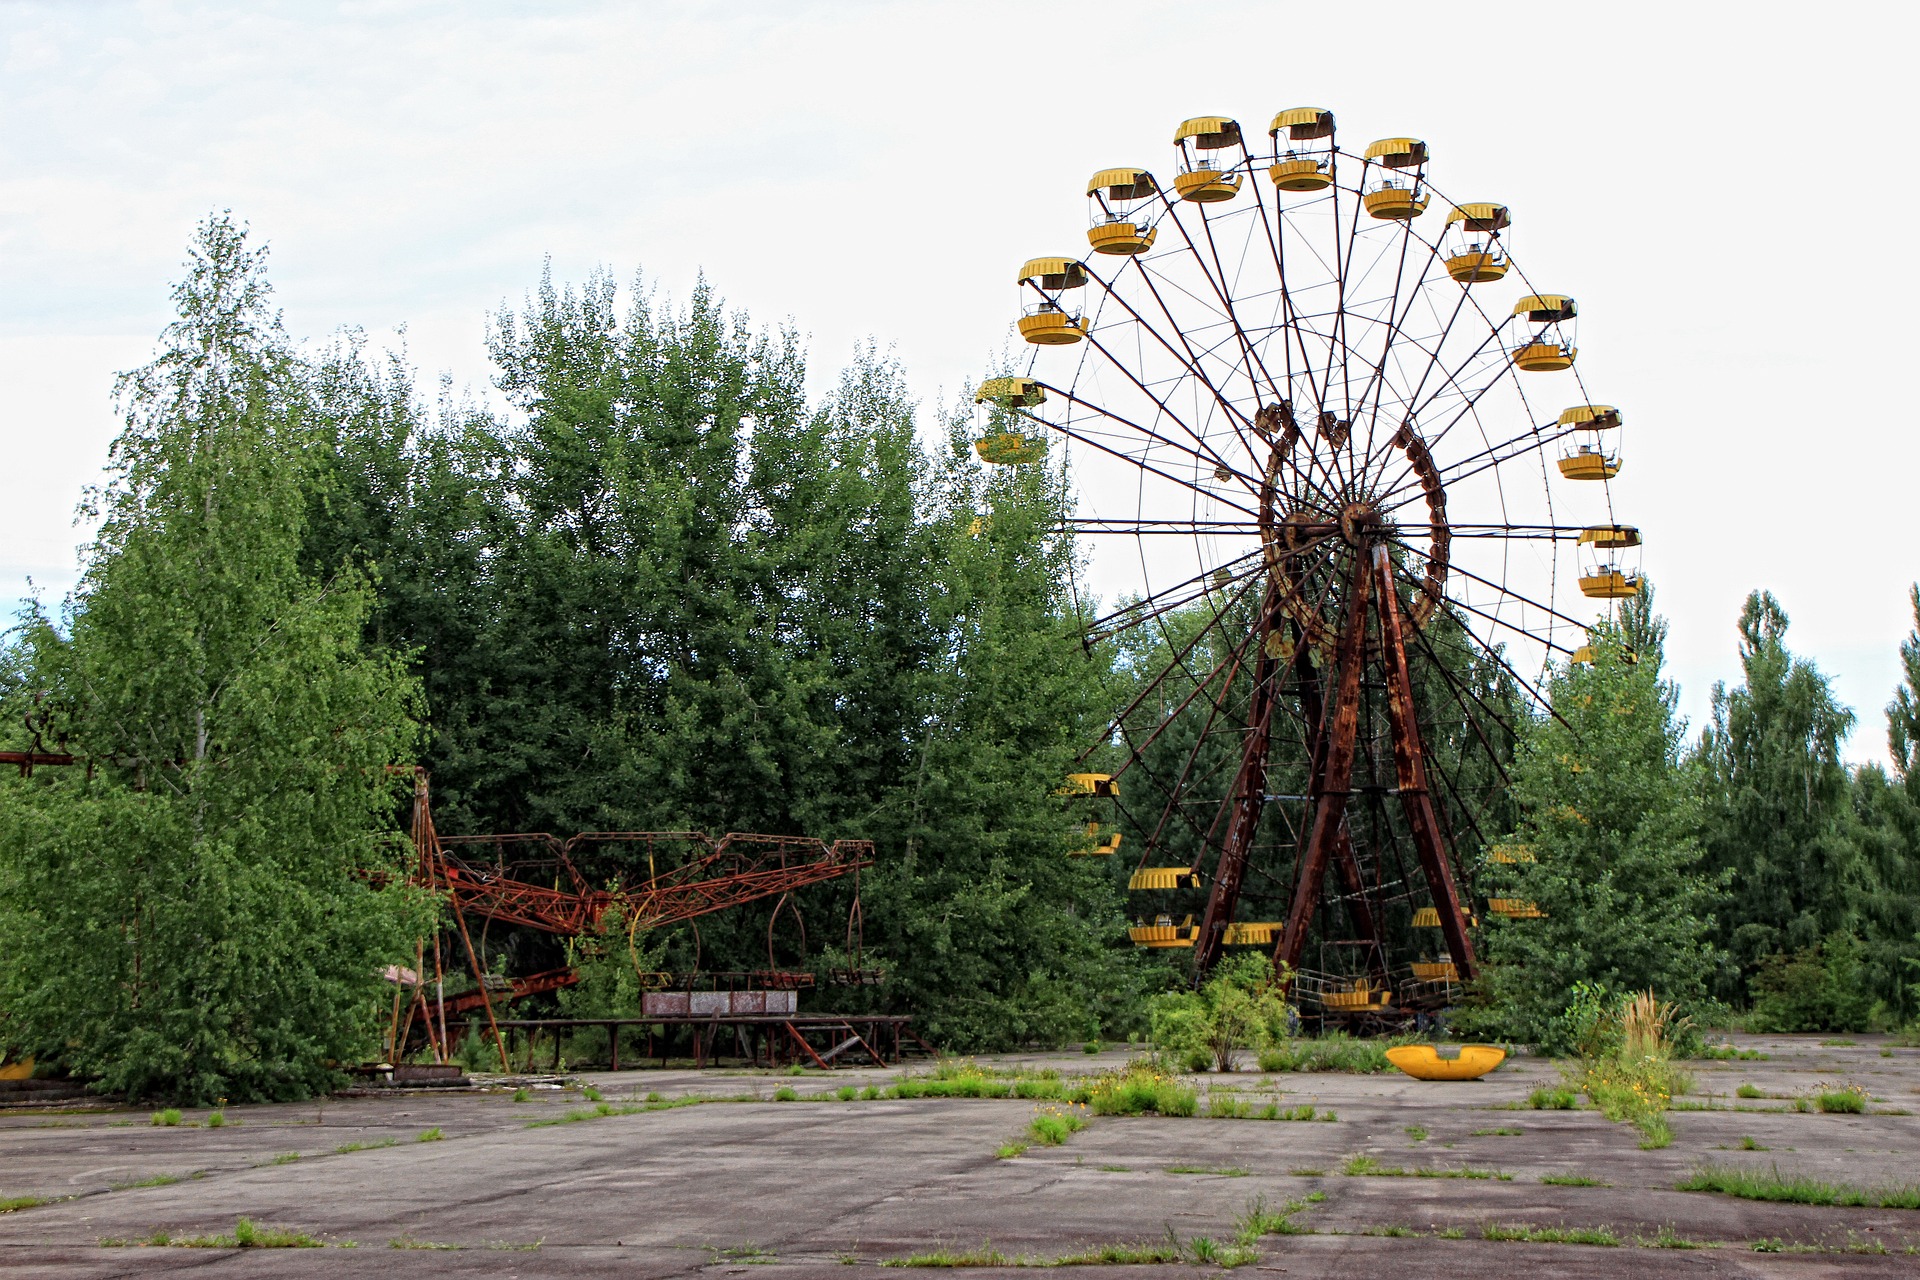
x,y
763,1188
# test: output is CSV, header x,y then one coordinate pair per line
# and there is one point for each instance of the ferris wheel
x,y
1338,472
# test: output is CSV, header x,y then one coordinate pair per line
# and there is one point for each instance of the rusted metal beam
x,y
1410,765
1334,781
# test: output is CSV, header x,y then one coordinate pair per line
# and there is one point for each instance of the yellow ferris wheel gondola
x,y
999,444
1052,312
1544,342
1588,458
1301,168
1206,176
1471,244
1121,199
1395,185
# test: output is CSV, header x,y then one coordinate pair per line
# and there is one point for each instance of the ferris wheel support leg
x,y
1249,797
1335,781
1314,711
1410,766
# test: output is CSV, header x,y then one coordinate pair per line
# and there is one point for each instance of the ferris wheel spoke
x,y
1504,590
1473,464
1093,442
1172,598
1378,450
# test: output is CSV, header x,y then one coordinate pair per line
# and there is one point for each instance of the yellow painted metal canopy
x,y
1053,273
1011,391
1481,217
1426,918
1209,133
1123,184
1592,417
1302,123
1610,536
1537,306
1398,153
1163,878
1090,784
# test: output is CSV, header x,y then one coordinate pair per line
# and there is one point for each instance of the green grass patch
x,y
847,1092
1749,1144
285,1157
157,1180
1120,1255
1304,1172
1727,1053
1748,1091
13,1203
591,1094
408,1242
1839,1044
1208,1252
1771,1184
348,1148
1552,1099
1217,1171
167,1118
1389,1231
1363,1166
1667,1238
984,1256
1333,1052
245,1235
1139,1090
786,1093
1054,1126
1416,1133
1655,1132
523,1095
1010,1151
1851,1100
1550,1235
1571,1180
216,1120
1224,1106
431,1135
1497,1133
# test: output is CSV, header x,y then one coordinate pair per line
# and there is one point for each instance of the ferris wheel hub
x,y
1360,522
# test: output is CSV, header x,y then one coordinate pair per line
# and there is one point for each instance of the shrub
x,y
1239,1008
1335,1051
1054,1125
1817,988
1851,1100
785,1093
168,1117
1551,1099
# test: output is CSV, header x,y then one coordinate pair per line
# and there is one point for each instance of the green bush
x,y
1550,1099
1239,1008
1817,988
1335,1051
1852,1100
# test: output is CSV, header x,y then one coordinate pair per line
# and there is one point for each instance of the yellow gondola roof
x,y
1611,535
1594,417
1020,391
1558,303
1123,184
1209,132
1388,148
1070,271
1303,122
1089,784
1491,217
1163,878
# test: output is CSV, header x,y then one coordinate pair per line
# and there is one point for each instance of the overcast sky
x,y
1727,189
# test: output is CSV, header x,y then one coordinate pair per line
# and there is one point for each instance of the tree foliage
x,y
205,908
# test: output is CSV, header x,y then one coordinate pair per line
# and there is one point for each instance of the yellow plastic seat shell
x,y
1105,849
1423,1061
1544,357
1210,133
1482,218
1610,537
1300,174
1207,186
1583,656
1590,417
1123,184
1476,267
1358,997
1252,933
21,1070
1010,449
1052,328
1163,878
1302,123
1591,465
1165,935
1024,392
1121,238
1397,203
1091,784
1429,971
1427,918
1609,584
1515,908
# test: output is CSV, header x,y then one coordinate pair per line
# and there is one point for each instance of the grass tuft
x,y
1010,1150
1550,1099
1748,1091
348,1148
1852,1100
1497,1133
245,1235
13,1203
523,1095
157,1180
1055,1125
1571,1180
167,1118
1771,1184
1550,1235
217,1120
431,1135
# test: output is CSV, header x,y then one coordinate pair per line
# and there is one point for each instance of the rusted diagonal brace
x,y
802,1042
1335,781
1410,766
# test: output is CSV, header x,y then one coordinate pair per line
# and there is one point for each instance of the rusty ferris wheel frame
x,y
1278,387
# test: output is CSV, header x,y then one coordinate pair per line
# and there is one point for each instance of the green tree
x,y
1610,815
1777,798
1885,827
205,909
